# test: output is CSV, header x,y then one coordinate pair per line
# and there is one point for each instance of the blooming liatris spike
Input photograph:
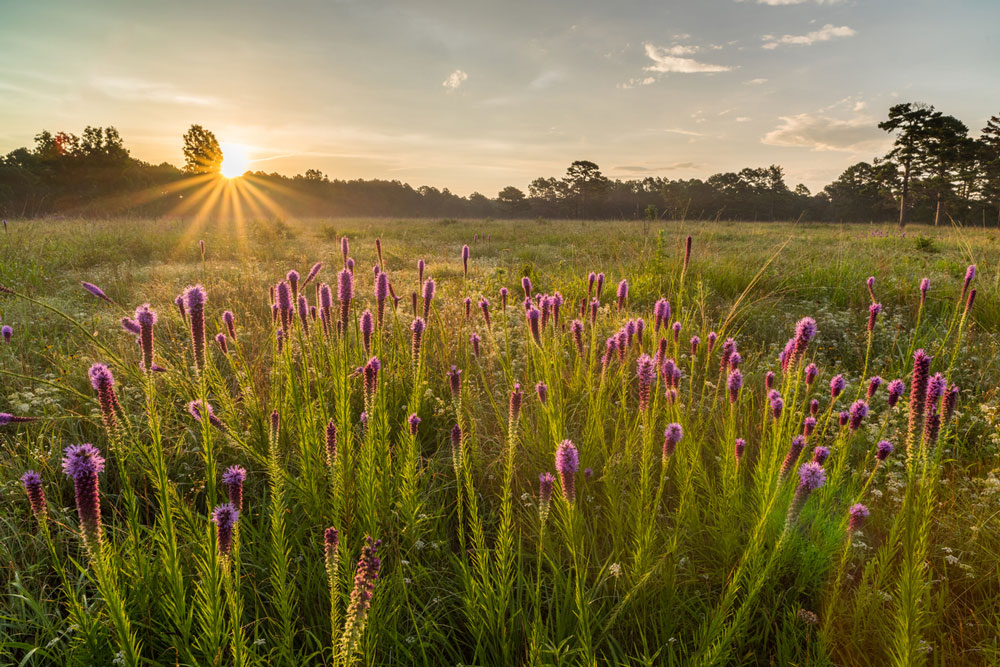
x,y
873,311
671,436
381,293
367,326
883,449
279,337
971,300
130,325
194,299
475,340
484,306
918,396
567,463
735,360
146,317
925,284
622,293
225,517
103,383
811,477
591,277
858,513
811,372
455,381
345,292
820,455
350,265
777,404
417,328
293,281
230,321
728,347
794,451
594,305
677,332
370,373
814,407
600,285
331,442
769,381
82,463
843,418
7,332
468,308
646,372
504,292
220,338
873,385
970,274
734,384
313,272
303,308
895,392
7,418
361,599
233,480
198,412
576,328
870,284
413,421
740,449
331,553
546,485
932,425
345,248
516,398
465,260
32,483
950,399
533,316
687,253
837,385
808,426
858,411
96,291
542,390
429,288
805,331
526,286
695,342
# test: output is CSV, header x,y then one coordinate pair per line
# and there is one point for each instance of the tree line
x,y
935,172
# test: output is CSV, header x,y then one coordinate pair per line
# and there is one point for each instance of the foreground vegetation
x,y
685,514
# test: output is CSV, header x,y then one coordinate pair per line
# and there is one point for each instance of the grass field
x,y
650,553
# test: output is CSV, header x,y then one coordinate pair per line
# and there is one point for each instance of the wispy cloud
x,y
667,60
825,34
640,169
455,79
755,82
824,133
137,90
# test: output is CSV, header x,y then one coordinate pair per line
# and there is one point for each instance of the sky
x,y
475,95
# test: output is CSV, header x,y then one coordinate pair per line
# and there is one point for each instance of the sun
x,y
234,160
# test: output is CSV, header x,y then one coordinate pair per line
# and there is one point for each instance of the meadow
x,y
591,478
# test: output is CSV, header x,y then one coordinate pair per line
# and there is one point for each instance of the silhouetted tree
x,y
202,153
911,122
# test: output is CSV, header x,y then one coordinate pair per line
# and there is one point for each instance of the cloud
x,y
136,90
632,83
742,119
455,79
824,34
754,82
639,169
824,133
664,61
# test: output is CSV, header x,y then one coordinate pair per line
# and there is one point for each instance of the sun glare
x,y
234,160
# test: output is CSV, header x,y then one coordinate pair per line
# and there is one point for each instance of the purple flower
x,y
484,306
873,384
883,449
950,399
313,272
367,326
777,404
475,340
516,397
600,285
32,482
503,298
798,442
429,287
220,338
83,463
345,292
805,331
233,480
225,517
591,277
103,383
811,477
421,265
837,385
858,411
918,396
417,328
728,348
230,321
533,316
567,463
712,337
361,596
820,455
345,248
546,484
844,418
7,333
677,331
687,253
370,373
814,407
130,325
925,284
194,299
465,260
413,421
594,305
769,381
331,553
971,300
576,329
695,342
970,274
196,409
811,373
381,293
279,337
870,284
331,442
455,382
146,317
526,286
873,311
734,384
646,371
671,436
740,449
622,293
96,291
895,391
293,280
542,390
858,513
303,308
808,426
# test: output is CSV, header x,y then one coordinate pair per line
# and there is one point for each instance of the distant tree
x,y
315,175
586,184
202,153
911,122
990,146
946,146
864,191
511,200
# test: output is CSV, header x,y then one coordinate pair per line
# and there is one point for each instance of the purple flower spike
x,y
345,293
194,299
484,306
837,385
600,285
196,409
971,300
331,442
331,552
345,248
83,463
734,384
567,464
712,337
381,293
808,426
455,382
225,517
970,274
230,321
870,284
103,383
811,372
820,455
811,477
367,326
873,385
918,396
7,418
777,404
805,331
925,284
533,316
504,292
220,338
361,598
844,418
32,482
794,451
873,311
769,381
130,325
233,480
293,280
814,407
542,390
7,332
413,421
883,449
950,399
465,260
526,286
858,513
429,287
313,272
370,373
687,254
895,392
146,317
622,293
96,291
740,449
646,371
671,436
576,329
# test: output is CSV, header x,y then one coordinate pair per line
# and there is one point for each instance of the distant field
x,y
679,559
